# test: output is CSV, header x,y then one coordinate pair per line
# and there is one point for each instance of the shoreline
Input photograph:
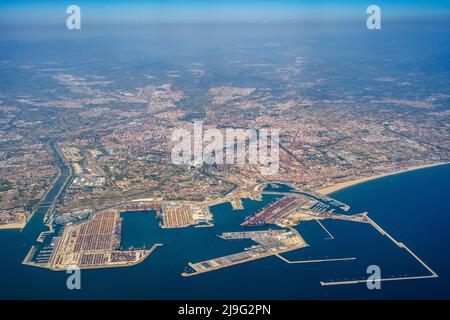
x,y
342,185
14,225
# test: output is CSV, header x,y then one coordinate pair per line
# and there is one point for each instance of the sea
x,y
412,207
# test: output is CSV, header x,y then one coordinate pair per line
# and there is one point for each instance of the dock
x,y
314,261
330,236
269,243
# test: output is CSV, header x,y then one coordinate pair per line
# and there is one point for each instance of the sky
x,y
31,12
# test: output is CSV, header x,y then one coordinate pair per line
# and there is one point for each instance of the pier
x,y
236,204
331,237
315,196
313,261
269,243
211,265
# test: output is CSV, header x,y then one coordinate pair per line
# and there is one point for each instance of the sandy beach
x,y
342,185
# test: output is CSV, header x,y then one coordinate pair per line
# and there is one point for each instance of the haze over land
x,y
87,115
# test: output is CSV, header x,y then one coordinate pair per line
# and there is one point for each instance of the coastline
x,y
342,185
14,225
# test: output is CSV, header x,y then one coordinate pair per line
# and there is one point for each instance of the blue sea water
x,y
411,206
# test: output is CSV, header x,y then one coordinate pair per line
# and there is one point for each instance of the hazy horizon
x,y
98,12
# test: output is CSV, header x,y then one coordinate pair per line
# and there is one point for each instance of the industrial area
x,y
270,242
288,211
92,240
94,243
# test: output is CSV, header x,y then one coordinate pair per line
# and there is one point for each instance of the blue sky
x,y
97,11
